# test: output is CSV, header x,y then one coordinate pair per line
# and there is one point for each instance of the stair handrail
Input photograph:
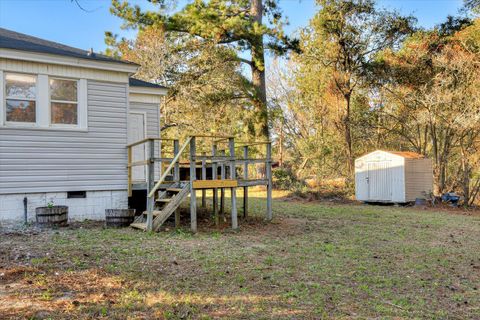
x,y
169,168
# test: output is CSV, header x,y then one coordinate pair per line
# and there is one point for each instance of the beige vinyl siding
x,y
419,178
41,160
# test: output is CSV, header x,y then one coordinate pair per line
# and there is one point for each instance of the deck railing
x,y
223,149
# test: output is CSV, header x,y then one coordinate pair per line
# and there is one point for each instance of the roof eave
x,y
68,61
151,91
390,153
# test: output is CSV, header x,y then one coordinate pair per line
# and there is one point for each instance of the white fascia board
x,y
371,154
146,90
145,98
68,61
368,155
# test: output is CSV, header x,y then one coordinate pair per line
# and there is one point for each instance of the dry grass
x,y
316,260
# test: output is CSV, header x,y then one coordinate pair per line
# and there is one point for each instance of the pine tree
x,y
239,24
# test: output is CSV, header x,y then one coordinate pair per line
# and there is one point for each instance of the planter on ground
x,y
52,216
118,218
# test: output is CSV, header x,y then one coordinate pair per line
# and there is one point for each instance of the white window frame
x,y
50,101
81,105
4,97
43,104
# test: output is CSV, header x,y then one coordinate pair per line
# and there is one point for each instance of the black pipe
x,y
25,202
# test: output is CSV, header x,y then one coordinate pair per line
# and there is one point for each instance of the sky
x,y
63,21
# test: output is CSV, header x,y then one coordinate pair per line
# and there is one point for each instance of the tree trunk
x,y
259,83
258,76
439,176
348,136
466,172
280,146
437,185
260,104
466,179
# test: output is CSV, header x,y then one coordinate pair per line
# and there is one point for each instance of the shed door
x,y
136,132
379,181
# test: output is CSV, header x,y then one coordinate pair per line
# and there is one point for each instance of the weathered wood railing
x,y
219,159
151,160
268,172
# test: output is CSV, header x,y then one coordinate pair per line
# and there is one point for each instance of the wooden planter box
x,y
119,218
52,216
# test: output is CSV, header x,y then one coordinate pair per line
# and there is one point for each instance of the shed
x,y
393,176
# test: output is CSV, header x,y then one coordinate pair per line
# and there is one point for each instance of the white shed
x,y
392,176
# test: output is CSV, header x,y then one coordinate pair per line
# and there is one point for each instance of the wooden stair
x,y
171,198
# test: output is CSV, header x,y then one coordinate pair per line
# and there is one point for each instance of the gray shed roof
x,y
140,83
19,41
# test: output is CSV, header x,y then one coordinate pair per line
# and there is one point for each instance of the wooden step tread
x,y
171,204
139,225
154,212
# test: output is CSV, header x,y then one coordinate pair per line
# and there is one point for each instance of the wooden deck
x,y
138,185
216,162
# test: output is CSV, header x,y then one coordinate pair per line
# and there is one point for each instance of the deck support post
x,y
231,144
215,190
129,172
204,177
245,177
193,197
176,178
268,166
222,190
150,184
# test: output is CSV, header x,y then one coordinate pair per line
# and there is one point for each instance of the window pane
x,y
65,90
20,110
64,113
20,85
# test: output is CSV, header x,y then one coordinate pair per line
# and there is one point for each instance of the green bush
x,y
285,179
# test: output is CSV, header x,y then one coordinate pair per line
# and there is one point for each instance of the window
x,y
20,102
40,101
63,101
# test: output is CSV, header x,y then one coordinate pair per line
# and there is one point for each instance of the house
x,y
393,176
66,117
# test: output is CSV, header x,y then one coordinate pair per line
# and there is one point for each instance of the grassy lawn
x,y
314,261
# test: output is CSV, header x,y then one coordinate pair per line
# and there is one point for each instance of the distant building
x,y
391,176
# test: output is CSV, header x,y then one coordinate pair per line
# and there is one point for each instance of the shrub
x,y
285,179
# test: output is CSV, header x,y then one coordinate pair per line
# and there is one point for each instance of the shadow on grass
x,y
93,293
85,271
313,261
